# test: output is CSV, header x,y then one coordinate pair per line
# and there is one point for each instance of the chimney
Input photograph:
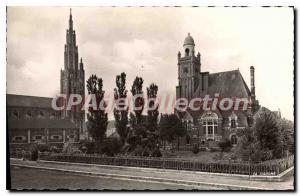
x,y
252,83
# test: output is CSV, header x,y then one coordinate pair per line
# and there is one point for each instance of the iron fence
x,y
269,168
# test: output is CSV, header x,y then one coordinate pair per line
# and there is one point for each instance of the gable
x,y
227,84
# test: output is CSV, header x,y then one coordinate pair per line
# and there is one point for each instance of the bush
x,y
156,153
225,145
146,152
111,146
34,153
195,149
70,148
87,147
214,149
133,141
138,151
42,147
55,149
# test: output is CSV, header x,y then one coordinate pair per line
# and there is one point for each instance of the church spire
x,y
70,20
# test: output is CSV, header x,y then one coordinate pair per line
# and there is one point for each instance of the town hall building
x,y
207,128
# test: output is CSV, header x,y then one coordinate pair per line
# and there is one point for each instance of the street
x,y
27,178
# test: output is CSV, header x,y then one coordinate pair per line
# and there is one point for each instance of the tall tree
x,y
152,108
263,141
137,93
170,128
97,117
121,112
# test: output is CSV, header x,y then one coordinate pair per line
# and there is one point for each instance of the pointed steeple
x,y
70,20
81,64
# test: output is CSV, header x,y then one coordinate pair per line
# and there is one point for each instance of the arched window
x,y
233,139
187,52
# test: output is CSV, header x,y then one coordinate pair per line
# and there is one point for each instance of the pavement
x,y
215,181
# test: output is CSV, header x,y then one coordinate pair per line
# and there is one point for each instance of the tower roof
x,y
189,40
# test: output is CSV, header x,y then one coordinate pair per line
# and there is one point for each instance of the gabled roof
x,y
228,84
40,124
28,101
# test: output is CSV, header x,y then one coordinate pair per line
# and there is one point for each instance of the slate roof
x,y
228,84
40,124
28,101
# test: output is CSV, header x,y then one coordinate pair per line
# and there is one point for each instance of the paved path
x,y
160,175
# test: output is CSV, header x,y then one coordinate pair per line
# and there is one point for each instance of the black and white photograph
x,y
150,98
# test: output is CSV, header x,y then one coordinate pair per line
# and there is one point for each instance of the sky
x,y
145,42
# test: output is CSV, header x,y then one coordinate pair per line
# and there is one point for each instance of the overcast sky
x,y
145,42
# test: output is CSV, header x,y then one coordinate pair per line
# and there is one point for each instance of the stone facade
x,y
207,128
72,79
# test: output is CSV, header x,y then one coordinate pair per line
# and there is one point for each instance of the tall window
x,y
187,138
233,123
210,124
233,139
210,130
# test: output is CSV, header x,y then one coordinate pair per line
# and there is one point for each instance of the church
x,y
31,119
207,128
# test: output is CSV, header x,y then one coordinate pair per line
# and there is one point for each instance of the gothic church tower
x,y
72,78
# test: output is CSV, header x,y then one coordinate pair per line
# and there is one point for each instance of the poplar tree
x,y
121,112
97,118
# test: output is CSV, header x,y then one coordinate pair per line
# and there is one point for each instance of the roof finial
x,y
189,34
70,11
